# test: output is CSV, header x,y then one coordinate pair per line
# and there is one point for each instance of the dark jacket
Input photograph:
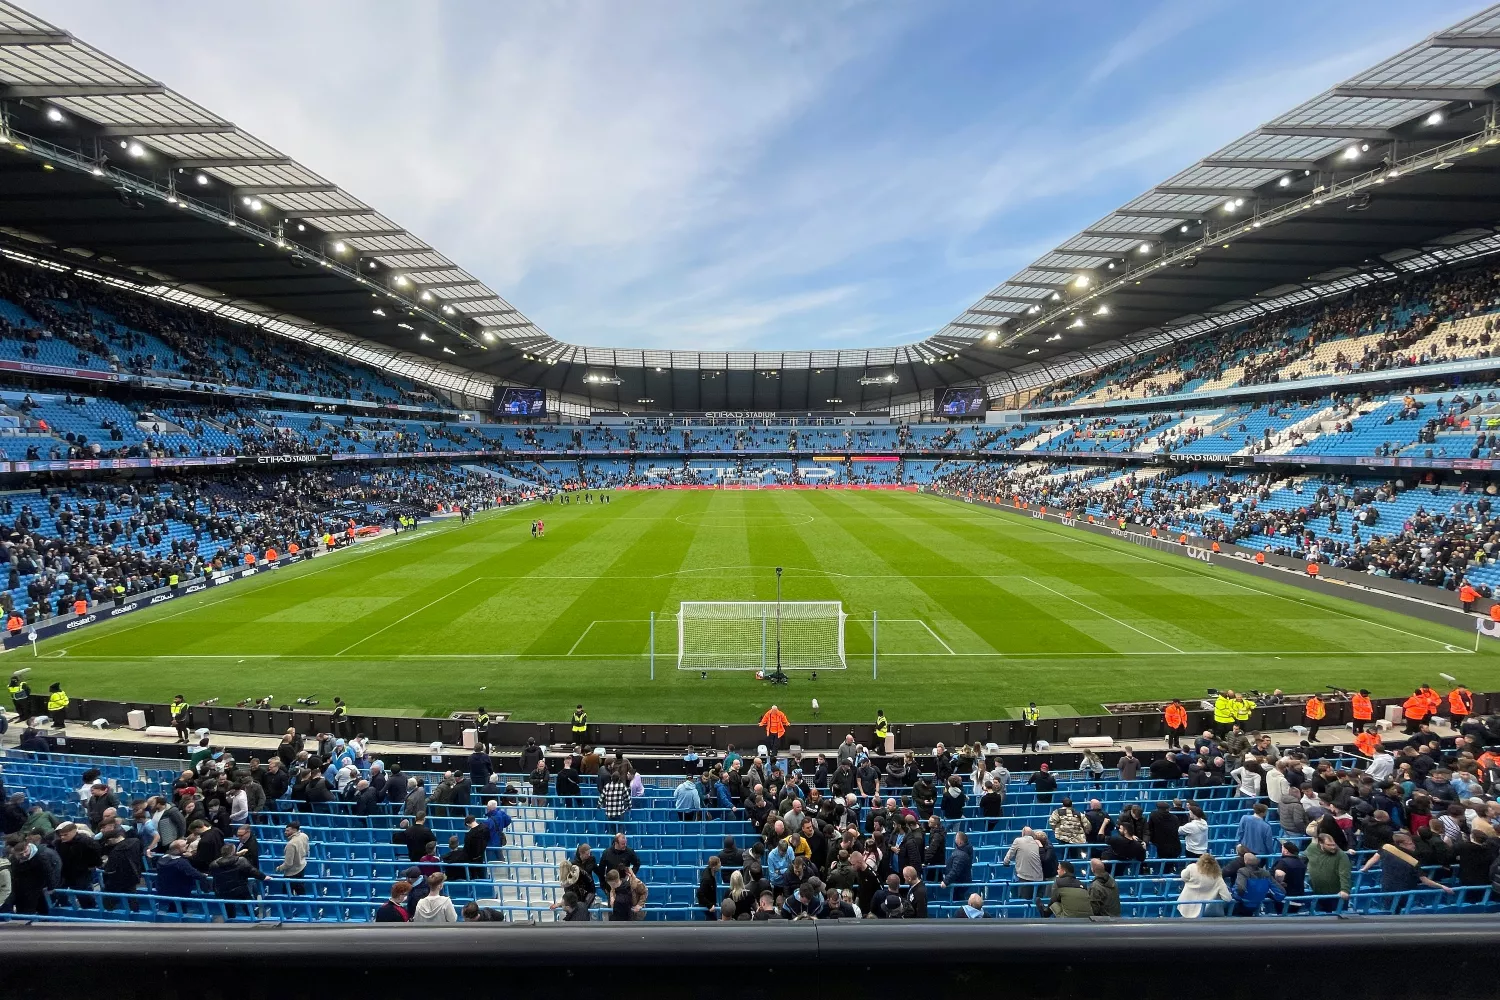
x,y
176,876
80,856
480,768
960,868
567,782
476,846
124,862
1104,896
614,859
231,877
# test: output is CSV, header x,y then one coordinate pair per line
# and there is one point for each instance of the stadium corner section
x,y
1387,595
270,561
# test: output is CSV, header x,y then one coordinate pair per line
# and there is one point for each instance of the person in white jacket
x,y
1195,832
1276,783
435,908
1203,889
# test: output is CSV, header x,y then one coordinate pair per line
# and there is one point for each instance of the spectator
x,y
294,859
1104,894
393,910
1253,886
1069,898
1203,890
435,907
1025,855
1328,871
1256,832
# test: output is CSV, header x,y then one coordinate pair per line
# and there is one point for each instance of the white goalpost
x,y
748,635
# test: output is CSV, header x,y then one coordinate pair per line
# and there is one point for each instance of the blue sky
x,y
732,175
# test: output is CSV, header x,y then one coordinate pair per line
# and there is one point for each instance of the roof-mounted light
x,y
54,115
1436,118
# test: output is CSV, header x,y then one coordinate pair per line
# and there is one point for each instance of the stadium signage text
x,y
124,609
1069,521
1201,554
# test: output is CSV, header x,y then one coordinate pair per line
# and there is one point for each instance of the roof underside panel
x,y
1333,111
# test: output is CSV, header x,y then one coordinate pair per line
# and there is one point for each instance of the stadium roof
x,y
102,163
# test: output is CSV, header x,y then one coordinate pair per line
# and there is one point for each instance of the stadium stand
x,y
1234,826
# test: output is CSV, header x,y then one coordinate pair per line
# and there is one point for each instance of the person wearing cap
x,y
294,858
1044,782
80,856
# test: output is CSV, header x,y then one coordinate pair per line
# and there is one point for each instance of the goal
x,y
742,635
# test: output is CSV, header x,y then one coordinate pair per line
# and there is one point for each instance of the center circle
x,y
708,519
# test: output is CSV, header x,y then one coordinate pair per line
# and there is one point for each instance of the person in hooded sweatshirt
x,y
973,909
435,907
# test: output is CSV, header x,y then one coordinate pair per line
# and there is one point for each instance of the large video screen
x,y
510,402
964,402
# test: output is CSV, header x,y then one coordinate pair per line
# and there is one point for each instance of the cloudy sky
x,y
725,174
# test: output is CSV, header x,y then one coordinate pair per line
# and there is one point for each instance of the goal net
x,y
742,635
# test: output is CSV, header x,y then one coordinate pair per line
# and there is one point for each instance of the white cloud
x,y
716,175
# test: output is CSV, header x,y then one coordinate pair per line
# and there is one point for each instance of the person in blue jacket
x,y
175,874
498,819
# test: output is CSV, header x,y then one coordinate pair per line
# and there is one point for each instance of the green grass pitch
x,y
979,613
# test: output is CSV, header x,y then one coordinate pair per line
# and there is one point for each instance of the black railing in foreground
x,y
1376,957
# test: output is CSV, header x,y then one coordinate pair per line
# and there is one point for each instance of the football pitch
x,y
979,612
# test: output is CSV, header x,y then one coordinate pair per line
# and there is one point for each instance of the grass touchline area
x,y
980,611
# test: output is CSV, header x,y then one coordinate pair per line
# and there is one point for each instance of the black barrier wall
x,y
920,736
1098,959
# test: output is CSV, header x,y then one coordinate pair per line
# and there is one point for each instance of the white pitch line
x,y
403,618
938,638
369,549
1254,590
1096,611
581,636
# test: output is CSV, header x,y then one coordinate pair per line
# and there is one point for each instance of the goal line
x,y
761,635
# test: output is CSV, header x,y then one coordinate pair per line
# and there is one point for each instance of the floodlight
x,y
54,115
1284,182
137,150
1436,118
339,247
1145,248
1082,281
1102,311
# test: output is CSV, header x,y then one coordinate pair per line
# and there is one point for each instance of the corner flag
x,y
1485,626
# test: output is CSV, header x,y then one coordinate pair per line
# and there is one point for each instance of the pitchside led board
x,y
967,401
512,402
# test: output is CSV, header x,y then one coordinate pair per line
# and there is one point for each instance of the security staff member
x,y
57,701
1362,710
1460,705
1314,712
1242,709
481,720
1467,595
580,725
179,709
1029,719
1176,717
1223,713
1414,711
20,697
882,727
340,718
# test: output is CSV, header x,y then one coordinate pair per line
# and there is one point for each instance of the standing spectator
x,y
1067,824
614,797
294,858
916,892
175,874
1025,854
1195,831
1329,871
393,910
618,855
80,857
124,865
708,888
1203,890
1253,886
28,879
1256,832
960,868
685,799
1290,870
1164,830
231,875
1044,783
435,907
